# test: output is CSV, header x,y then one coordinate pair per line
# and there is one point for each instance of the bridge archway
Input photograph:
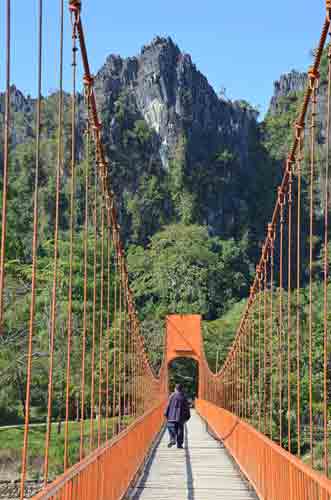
x,y
184,340
186,372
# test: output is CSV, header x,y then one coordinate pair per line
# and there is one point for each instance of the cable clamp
x,y
298,129
259,273
88,80
271,233
97,126
313,76
75,5
281,197
289,163
265,253
75,8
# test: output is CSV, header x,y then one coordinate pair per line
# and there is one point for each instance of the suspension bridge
x,y
253,407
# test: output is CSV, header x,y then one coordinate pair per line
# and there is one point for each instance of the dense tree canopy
x,y
183,270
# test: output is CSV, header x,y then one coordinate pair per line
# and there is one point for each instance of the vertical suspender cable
x,y
237,378
86,254
259,348
131,355
265,335
289,305
242,382
240,373
272,266
250,368
135,356
71,230
244,374
241,368
326,272
94,310
34,253
5,158
280,335
298,319
115,344
102,241
120,356
55,259
313,84
253,360
129,382
247,367
124,339
108,325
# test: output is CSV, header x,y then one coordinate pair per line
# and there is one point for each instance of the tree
x,y
184,270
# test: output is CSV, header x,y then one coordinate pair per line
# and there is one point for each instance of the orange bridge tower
x,y
184,339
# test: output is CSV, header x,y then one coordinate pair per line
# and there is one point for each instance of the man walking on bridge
x,y
177,413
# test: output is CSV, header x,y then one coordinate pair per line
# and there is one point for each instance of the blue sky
x,y
240,45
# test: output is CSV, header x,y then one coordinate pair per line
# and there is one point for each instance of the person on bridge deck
x,y
177,413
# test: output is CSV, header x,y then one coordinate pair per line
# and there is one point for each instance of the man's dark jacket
x,y
178,409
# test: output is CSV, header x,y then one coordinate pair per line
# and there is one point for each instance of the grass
x,y
11,443
318,457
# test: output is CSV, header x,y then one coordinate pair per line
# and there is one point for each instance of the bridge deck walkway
x,y
201,471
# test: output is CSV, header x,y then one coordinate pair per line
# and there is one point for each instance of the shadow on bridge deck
x,y
202,471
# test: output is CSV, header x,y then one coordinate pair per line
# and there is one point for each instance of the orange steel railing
x,y
276,376
274,473
88,340
108,472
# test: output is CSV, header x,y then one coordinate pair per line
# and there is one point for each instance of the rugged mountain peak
x,y
163,120
160,43
18,101
290,82
176,150
172,96
287,85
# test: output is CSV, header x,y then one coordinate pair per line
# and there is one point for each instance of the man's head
x,y
179,388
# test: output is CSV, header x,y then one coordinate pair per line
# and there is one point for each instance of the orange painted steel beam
x,y
184,339
274,473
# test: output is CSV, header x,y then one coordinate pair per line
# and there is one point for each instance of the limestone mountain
x,y
279,124
177,151
292,83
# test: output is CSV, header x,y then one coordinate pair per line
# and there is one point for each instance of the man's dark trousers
x,y
176,431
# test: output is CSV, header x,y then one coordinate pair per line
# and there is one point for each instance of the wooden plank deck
x,y
201,471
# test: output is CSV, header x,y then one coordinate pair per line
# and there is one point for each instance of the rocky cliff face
x,y
176,150
162,118
22,115
173,97
284,109
289,84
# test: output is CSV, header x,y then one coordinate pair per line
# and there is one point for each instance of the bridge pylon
x,y
184,339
